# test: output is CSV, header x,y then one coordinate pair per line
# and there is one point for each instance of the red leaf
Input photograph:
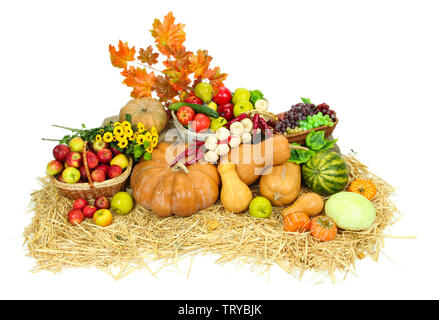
x,y
148,56
216,78
141,81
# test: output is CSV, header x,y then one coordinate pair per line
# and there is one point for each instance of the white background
x,y
375,62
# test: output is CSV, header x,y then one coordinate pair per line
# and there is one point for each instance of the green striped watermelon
x,y
325,173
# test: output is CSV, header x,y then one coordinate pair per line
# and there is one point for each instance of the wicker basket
x,y
92,190
187,135
301,136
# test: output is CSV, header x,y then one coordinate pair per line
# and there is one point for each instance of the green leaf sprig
x,y
315,141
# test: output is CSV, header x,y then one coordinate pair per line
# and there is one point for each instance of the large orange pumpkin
x,y
180,190
150,112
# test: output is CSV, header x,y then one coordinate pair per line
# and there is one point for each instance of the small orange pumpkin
x,y
364,187
323,228
297,222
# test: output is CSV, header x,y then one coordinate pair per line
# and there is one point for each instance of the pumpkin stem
x,y
180,167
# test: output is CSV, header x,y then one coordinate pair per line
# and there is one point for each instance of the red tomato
x,y
193,99
201,123
185,114
224,95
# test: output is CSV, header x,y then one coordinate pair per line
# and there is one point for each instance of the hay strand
x,y
135,240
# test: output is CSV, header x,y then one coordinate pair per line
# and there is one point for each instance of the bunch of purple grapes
x,y
291,118
325,110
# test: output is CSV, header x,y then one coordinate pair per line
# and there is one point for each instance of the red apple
x,y
75,216
102,203
92,159
60,152
104,167
103,217
114,171
89,211
98,175
60,179
115,151
83,173
105,155
79,203
99,145
74,159
226,111
54,167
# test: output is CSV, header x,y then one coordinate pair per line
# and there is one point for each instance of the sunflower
x,y
122,143
98,137
117,123
154,142
130,137
126,125
140,127
141,139
108,137
101,130
129,132
153,131
149,149
120,137
148,136
118,130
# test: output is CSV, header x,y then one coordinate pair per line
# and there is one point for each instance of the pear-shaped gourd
x,y
235,194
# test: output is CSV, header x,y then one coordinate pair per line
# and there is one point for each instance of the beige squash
x,y
282,185
150,112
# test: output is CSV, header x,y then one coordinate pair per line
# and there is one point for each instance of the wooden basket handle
x,y
87,170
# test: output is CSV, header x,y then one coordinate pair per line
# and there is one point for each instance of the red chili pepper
x,y
238,118
187,152
199,155
265,127
255,123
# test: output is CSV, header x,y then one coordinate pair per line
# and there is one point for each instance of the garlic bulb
x,y
235,141
222,133
248,124
246,137
261,105
211,142
211,156
236,128
222,149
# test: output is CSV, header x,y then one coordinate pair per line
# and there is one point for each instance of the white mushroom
x,y
246,137
211,142
236,128
211,156
235,141
248,124
222,133
222,149
261,105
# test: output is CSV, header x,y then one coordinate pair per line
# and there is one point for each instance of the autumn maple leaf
x,y
148,56
140,80
168,34
164,90
216,78
200,63
120,58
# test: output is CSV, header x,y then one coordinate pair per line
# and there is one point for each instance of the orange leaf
x,y
200,63
216,78
148,56
168,34
120,58
139,80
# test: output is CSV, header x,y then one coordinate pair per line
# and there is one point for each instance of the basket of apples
x,y
80,172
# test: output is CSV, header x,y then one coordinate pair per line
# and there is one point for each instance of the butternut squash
x,y
309,203
282,185
235,194
252,159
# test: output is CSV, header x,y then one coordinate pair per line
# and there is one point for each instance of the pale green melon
x,y
350,211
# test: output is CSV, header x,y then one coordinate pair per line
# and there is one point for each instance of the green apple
x,y
217,123
204,91
122,203
76,144
71,175
241,94
241,107
260,207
